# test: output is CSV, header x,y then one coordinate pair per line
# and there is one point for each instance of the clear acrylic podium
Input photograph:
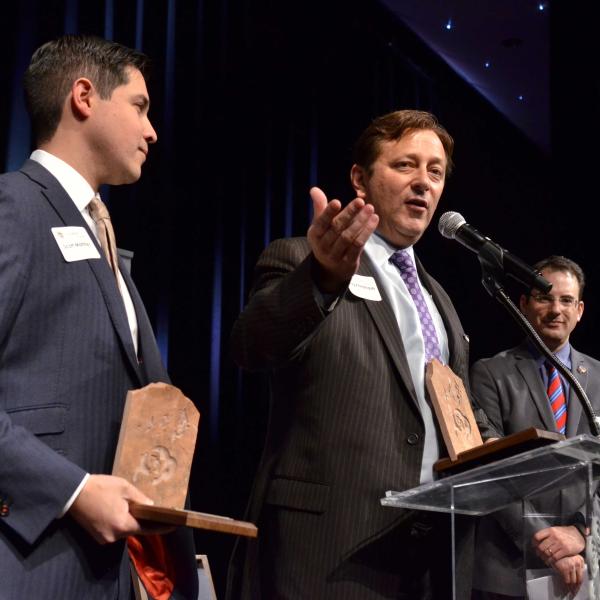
x,y
520,478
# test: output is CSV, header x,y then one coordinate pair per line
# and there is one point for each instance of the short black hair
x,y
57,64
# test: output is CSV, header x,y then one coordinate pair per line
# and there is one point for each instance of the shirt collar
x,y
380,250
564,354
78,189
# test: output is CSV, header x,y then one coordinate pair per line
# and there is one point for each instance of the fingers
x,y
323,217
102,508
552,553
350,230
337,230
571,570
557,542
337,237
541,535
319,200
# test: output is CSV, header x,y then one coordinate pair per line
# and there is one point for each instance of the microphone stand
x,y
492,278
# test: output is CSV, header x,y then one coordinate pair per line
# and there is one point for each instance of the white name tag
x,y
75,243
364,287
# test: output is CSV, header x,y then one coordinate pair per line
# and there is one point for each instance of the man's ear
x,y
358,178
82,94
579,311
523,302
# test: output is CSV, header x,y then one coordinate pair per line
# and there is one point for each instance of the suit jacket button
x,y
412,438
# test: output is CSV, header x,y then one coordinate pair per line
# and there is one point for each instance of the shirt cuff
x,y
73,497
326,302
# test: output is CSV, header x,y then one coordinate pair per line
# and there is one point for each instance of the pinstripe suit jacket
x,y
509,388
344,427
66,363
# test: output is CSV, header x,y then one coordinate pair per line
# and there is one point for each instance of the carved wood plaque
x,y
156,443
452,408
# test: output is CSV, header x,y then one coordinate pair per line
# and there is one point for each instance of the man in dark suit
x,y
346,341
512,387
74,335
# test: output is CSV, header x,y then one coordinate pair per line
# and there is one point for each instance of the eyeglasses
x,y
546,299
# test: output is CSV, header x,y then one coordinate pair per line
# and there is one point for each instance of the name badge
x,y
75,243
364,287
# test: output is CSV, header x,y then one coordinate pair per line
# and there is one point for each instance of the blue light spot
x,y
542,6
449,24
520,97
487,64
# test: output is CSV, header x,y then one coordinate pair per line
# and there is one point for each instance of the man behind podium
x,y
346,357
73,338
518,390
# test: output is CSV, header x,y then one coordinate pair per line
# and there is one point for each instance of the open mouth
x,y
417,203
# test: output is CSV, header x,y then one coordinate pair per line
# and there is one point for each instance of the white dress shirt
x,y
81,192
407,317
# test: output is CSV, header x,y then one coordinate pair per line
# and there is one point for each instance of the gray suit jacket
x,y
66,363
344,427
509,388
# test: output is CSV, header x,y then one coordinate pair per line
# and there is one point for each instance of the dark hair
x,y
560,263
392,127
58,63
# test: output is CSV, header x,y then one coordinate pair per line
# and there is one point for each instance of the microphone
x,y
453,225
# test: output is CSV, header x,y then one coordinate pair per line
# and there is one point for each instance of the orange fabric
x,y
152,564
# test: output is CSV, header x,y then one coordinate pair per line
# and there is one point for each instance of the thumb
x,y
132,494
319,200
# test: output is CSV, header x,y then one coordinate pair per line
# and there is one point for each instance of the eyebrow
x,y
412,156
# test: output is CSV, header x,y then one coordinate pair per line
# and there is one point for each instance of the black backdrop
x,y
254,102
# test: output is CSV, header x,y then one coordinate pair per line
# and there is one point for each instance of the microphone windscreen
x,y
449,224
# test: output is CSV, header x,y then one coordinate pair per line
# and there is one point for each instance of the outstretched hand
x,y
337,238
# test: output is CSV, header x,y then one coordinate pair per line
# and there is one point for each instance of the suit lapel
x,y
386,324
147,349
527,367
55,194
453,330
574,409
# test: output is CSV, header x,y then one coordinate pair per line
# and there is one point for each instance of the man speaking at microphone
x,y
345,321
518,389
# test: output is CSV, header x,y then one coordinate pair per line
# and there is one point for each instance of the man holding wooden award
x,y
74,336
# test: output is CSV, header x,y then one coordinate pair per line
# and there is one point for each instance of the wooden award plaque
x,y
452,408
155,451
460,431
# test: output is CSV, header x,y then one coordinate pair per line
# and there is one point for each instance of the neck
x,y
76,156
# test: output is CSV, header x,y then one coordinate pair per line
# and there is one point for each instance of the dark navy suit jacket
x,y
66,363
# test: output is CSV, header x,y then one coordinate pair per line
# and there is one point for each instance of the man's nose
x,y
421,180
150,134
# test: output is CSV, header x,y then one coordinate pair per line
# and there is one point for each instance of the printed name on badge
x,y
364,287
75,243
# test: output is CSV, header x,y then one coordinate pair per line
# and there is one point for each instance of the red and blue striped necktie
x,y
556,395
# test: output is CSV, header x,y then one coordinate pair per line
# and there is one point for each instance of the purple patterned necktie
x,y
408,272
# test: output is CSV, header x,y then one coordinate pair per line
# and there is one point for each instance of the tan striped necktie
x,y
104,228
